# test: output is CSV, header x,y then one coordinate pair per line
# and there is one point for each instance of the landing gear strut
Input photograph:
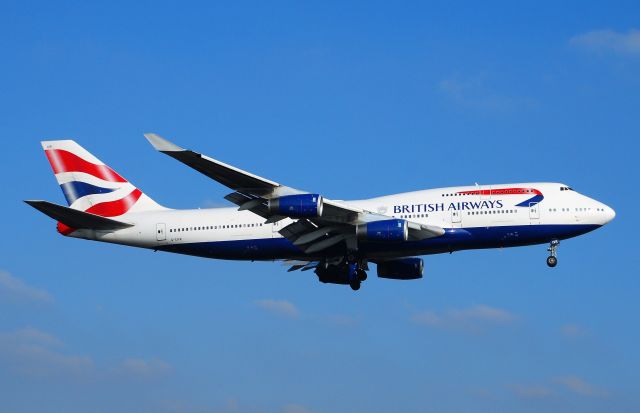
x,y
552,259
356,273
354,280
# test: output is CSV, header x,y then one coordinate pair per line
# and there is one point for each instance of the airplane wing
x,y
227,175
335,221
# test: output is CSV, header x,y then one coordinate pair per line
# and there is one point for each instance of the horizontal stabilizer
x,y
75,218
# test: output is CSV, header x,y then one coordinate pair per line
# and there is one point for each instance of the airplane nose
x,y
610,214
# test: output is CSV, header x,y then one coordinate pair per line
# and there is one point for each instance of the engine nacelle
x,y
390,230
401,269
297,206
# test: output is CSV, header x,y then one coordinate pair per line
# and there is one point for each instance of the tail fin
x,y
91,186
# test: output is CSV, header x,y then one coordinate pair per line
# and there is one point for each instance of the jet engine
x,y
401,269
390,230
297,206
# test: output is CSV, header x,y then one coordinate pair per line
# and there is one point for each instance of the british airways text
x,y
453,206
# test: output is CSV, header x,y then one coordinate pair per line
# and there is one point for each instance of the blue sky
x,y
351,100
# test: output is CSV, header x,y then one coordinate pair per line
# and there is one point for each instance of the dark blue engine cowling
x,y
390,230
297,206
401,269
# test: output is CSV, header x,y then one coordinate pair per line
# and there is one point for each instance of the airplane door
x,y
456,218
161,230
534,211
277,226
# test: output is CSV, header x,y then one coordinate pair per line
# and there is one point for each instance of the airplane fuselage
x,y
474,217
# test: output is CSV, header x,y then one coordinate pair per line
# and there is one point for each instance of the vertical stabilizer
x,y
91,186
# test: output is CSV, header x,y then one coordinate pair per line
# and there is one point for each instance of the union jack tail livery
x,y
91,186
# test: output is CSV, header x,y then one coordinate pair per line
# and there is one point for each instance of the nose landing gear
x,y
552,259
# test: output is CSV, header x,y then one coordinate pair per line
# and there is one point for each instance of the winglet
x,y
161,144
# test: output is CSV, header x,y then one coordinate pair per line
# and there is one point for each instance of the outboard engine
x,y
401,269
390,230
297,206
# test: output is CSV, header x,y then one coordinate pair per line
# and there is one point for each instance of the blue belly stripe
x,y
454,239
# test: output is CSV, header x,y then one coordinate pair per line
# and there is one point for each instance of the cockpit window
x,y
566,188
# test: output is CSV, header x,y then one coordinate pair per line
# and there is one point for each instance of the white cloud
x,y
32,335
608,41
474,93
471,319
530,391
142,368
14,288
279,307
36,353
339,320
296,408
482,393
579,386
573,330
183,406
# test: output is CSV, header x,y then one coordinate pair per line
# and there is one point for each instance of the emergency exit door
x,y
161,230
456,218
534,210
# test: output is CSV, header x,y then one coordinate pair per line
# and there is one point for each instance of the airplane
x,y
338,240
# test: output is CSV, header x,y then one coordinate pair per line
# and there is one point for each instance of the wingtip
x,y
36,203
161,144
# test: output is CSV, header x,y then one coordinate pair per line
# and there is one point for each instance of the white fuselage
x,y
467,213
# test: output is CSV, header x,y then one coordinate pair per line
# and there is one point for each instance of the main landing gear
x,y
552,259
356,273
350,270
354,283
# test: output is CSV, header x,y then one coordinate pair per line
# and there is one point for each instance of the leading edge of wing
x,y
228,175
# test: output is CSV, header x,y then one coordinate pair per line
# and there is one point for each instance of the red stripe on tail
x,y
65,161
115,208
107,209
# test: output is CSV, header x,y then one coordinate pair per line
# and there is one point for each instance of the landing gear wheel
x,y
552,260
355,285
362,275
